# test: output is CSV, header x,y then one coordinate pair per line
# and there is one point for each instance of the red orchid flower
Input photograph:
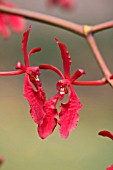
x,y
15,22
35,97
66,4
110,167
43,112
69,111
106,133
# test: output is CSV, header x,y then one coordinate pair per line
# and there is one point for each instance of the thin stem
x,y
50,20
91,83
50,67
11,73
99,58
102,26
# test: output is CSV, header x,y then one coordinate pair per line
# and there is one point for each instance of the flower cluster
x,y
15,22
44,112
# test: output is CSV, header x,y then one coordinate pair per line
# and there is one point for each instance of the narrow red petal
x,y
34,50
49,121
24,46
77,74
106,133
66,58
36,100
110,168
69,114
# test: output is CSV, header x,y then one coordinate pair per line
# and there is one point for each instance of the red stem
x,y
50,20
91,83
11,73
99,58
70,26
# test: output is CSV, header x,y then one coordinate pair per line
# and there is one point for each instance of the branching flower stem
x,y
99,58
50,20
83,30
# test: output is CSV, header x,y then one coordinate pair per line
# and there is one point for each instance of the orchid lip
x,y
37,78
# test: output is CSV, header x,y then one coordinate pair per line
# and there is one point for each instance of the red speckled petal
x,y
36,100
106,133
66,58
69,114
49,121
110,167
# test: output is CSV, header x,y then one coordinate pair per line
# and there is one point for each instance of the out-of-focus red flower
x,y
66,4
15,22
110,168
1,160
106,133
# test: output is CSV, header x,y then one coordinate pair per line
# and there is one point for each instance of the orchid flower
x,y
69,111
44,112
35,97
15,22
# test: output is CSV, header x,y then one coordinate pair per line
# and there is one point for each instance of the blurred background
x,y
20,145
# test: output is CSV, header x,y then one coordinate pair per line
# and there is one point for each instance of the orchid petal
x,y
19,65
53,68
24,46
69,114
36,100
106,133
66,58
16,23
3,27
77,74
110,168
34,50
49,121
